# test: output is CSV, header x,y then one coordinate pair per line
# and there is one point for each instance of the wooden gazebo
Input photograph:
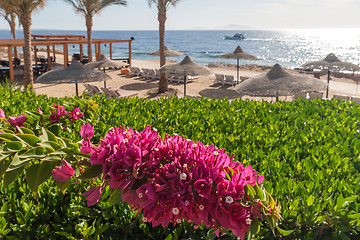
x,y
54,40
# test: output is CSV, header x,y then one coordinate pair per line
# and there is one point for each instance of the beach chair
x,y
116,93
95,89
300,95
151,74
107,92
230,80
88,89
355,99
144,72
157,74
341,97
219,78
314,95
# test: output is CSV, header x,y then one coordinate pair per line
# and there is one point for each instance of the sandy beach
x,y
203,86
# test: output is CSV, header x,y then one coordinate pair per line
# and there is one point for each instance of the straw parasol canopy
x,y
331,63
186,67
277,82
104,62
239,54
168,53
76,72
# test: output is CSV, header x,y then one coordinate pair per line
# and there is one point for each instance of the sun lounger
x,y
88,89
219,78
106,92
314,95
157,74
341,97
230,80
116,93
355,99
151,74
92,89
144,72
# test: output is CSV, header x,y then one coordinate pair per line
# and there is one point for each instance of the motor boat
x,y
237,36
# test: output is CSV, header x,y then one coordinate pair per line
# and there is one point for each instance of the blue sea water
x,y
289,48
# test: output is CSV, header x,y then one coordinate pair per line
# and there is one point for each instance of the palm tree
x,y
8,14
23,9
162,6
89,8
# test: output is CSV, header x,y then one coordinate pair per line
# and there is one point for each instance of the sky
x,y
206,15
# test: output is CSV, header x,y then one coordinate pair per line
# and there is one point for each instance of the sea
x,y
289,48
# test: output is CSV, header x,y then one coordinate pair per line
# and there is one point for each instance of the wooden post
x,y
99,50
96,51
66,56
48,57
110,50
130,53
81,52
11,67
54,52
35,56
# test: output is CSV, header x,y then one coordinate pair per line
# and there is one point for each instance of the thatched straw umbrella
x,y
239,54
331,63
168,53
104,62
186,66
76,72
277,82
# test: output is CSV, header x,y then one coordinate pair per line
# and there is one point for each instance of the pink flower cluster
x,y
59,111
175,179
14,121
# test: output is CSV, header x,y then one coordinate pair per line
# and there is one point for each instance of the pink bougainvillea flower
x,y
87,131
86,147
17,121
2,113
63,173
39,111
93,195
76,114
60,111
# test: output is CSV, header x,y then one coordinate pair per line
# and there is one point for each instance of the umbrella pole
x,y
104,84
238,70
328,81
185,77
76,87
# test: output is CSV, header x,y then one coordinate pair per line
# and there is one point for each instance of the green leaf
x,y
39,173
285,232
36,152
92,172
26,130
52,158
8,137
12,147
310,200
29,139
354,216
115,197
11,176
17,163
51,145
260,193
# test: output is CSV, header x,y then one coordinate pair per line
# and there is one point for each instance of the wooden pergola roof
x,y
53,40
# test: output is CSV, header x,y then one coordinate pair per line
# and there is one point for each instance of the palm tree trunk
x,y
163,83
28,71
13,32
89,25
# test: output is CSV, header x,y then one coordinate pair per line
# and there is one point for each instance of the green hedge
x,y
307,150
